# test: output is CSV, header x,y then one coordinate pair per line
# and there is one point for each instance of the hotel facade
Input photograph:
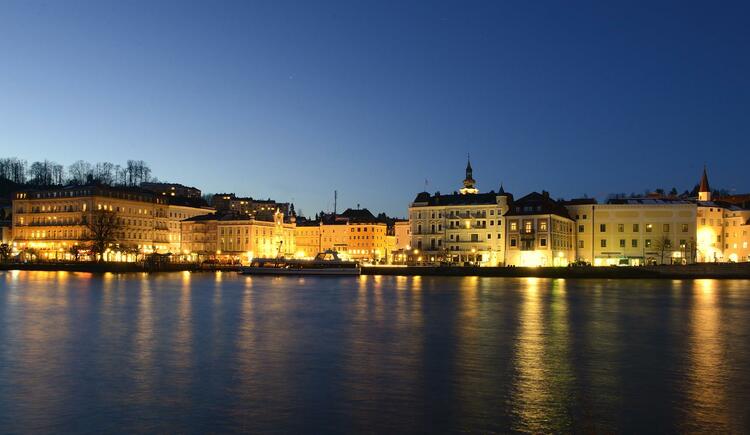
x,y
465,227
53,222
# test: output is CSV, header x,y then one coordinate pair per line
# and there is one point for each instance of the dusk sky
x,y
294,100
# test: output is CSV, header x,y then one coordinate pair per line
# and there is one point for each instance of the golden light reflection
x,y
544,377
707,376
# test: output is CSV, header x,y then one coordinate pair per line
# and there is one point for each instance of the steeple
x,y
704,192
501,191
469,183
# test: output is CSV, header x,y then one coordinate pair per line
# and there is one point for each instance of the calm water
x,y
225,353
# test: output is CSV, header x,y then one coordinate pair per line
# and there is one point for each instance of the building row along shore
x,y
466,227
495,229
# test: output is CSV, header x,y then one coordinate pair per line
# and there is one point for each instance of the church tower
x,y
704,192
469,183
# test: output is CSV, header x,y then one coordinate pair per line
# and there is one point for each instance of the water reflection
x,y
226,353
707,369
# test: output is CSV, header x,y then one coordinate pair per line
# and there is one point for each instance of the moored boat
x,y
325,263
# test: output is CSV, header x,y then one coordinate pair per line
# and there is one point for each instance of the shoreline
x,y
693,271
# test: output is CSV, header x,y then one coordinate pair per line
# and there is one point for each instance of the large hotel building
x,y
51,222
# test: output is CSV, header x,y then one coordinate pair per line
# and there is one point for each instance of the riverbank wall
x,y
692,271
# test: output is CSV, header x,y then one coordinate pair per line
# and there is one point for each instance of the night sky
x,y
294,100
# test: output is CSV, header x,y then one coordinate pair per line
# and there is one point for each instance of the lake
x,y
221,352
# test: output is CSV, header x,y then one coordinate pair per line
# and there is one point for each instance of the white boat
x,y
325,263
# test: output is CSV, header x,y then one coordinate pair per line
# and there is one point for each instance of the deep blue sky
x,y
294,100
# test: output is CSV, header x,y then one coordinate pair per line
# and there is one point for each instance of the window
x,y
665,228
648,243
684,228
620,228
580,228
513,243
542,242
649,227
636,228
489,236
622,243
527,226
584,217
603,228
513,226
682,243
603,243
543,226
580,244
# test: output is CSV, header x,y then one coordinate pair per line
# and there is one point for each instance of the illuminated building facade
x,y
539,232
634,231
460,228
722,227
235,237
52,221
355,233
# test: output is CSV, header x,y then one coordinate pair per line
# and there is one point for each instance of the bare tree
x,y
79,172
663,244
102,226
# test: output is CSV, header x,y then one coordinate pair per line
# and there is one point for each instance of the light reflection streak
x,y
707,375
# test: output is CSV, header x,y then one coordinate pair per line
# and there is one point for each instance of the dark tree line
x,y
49,173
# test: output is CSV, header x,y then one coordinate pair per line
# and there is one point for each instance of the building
x,y
53,222
308,239
172,190
366,236
229,202
402,232
179,209
722,227
634,231
539,232
355,233
199,237
236,237
465,227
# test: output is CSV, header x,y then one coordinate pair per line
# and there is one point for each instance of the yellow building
x,y
265,236
308,239
52,221
737,235
235,237
357,234
539,232
402,232
366,239
634,231
722,228
199,237
459,228
178,210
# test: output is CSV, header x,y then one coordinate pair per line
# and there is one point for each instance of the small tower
x,y
704,192
469,183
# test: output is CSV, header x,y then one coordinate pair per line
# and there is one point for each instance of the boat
x,y
325,263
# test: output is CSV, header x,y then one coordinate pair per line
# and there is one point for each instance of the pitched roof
x,y
460,199
359,216
536,203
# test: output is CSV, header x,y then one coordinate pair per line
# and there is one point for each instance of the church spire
x,y
704,191
469,183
